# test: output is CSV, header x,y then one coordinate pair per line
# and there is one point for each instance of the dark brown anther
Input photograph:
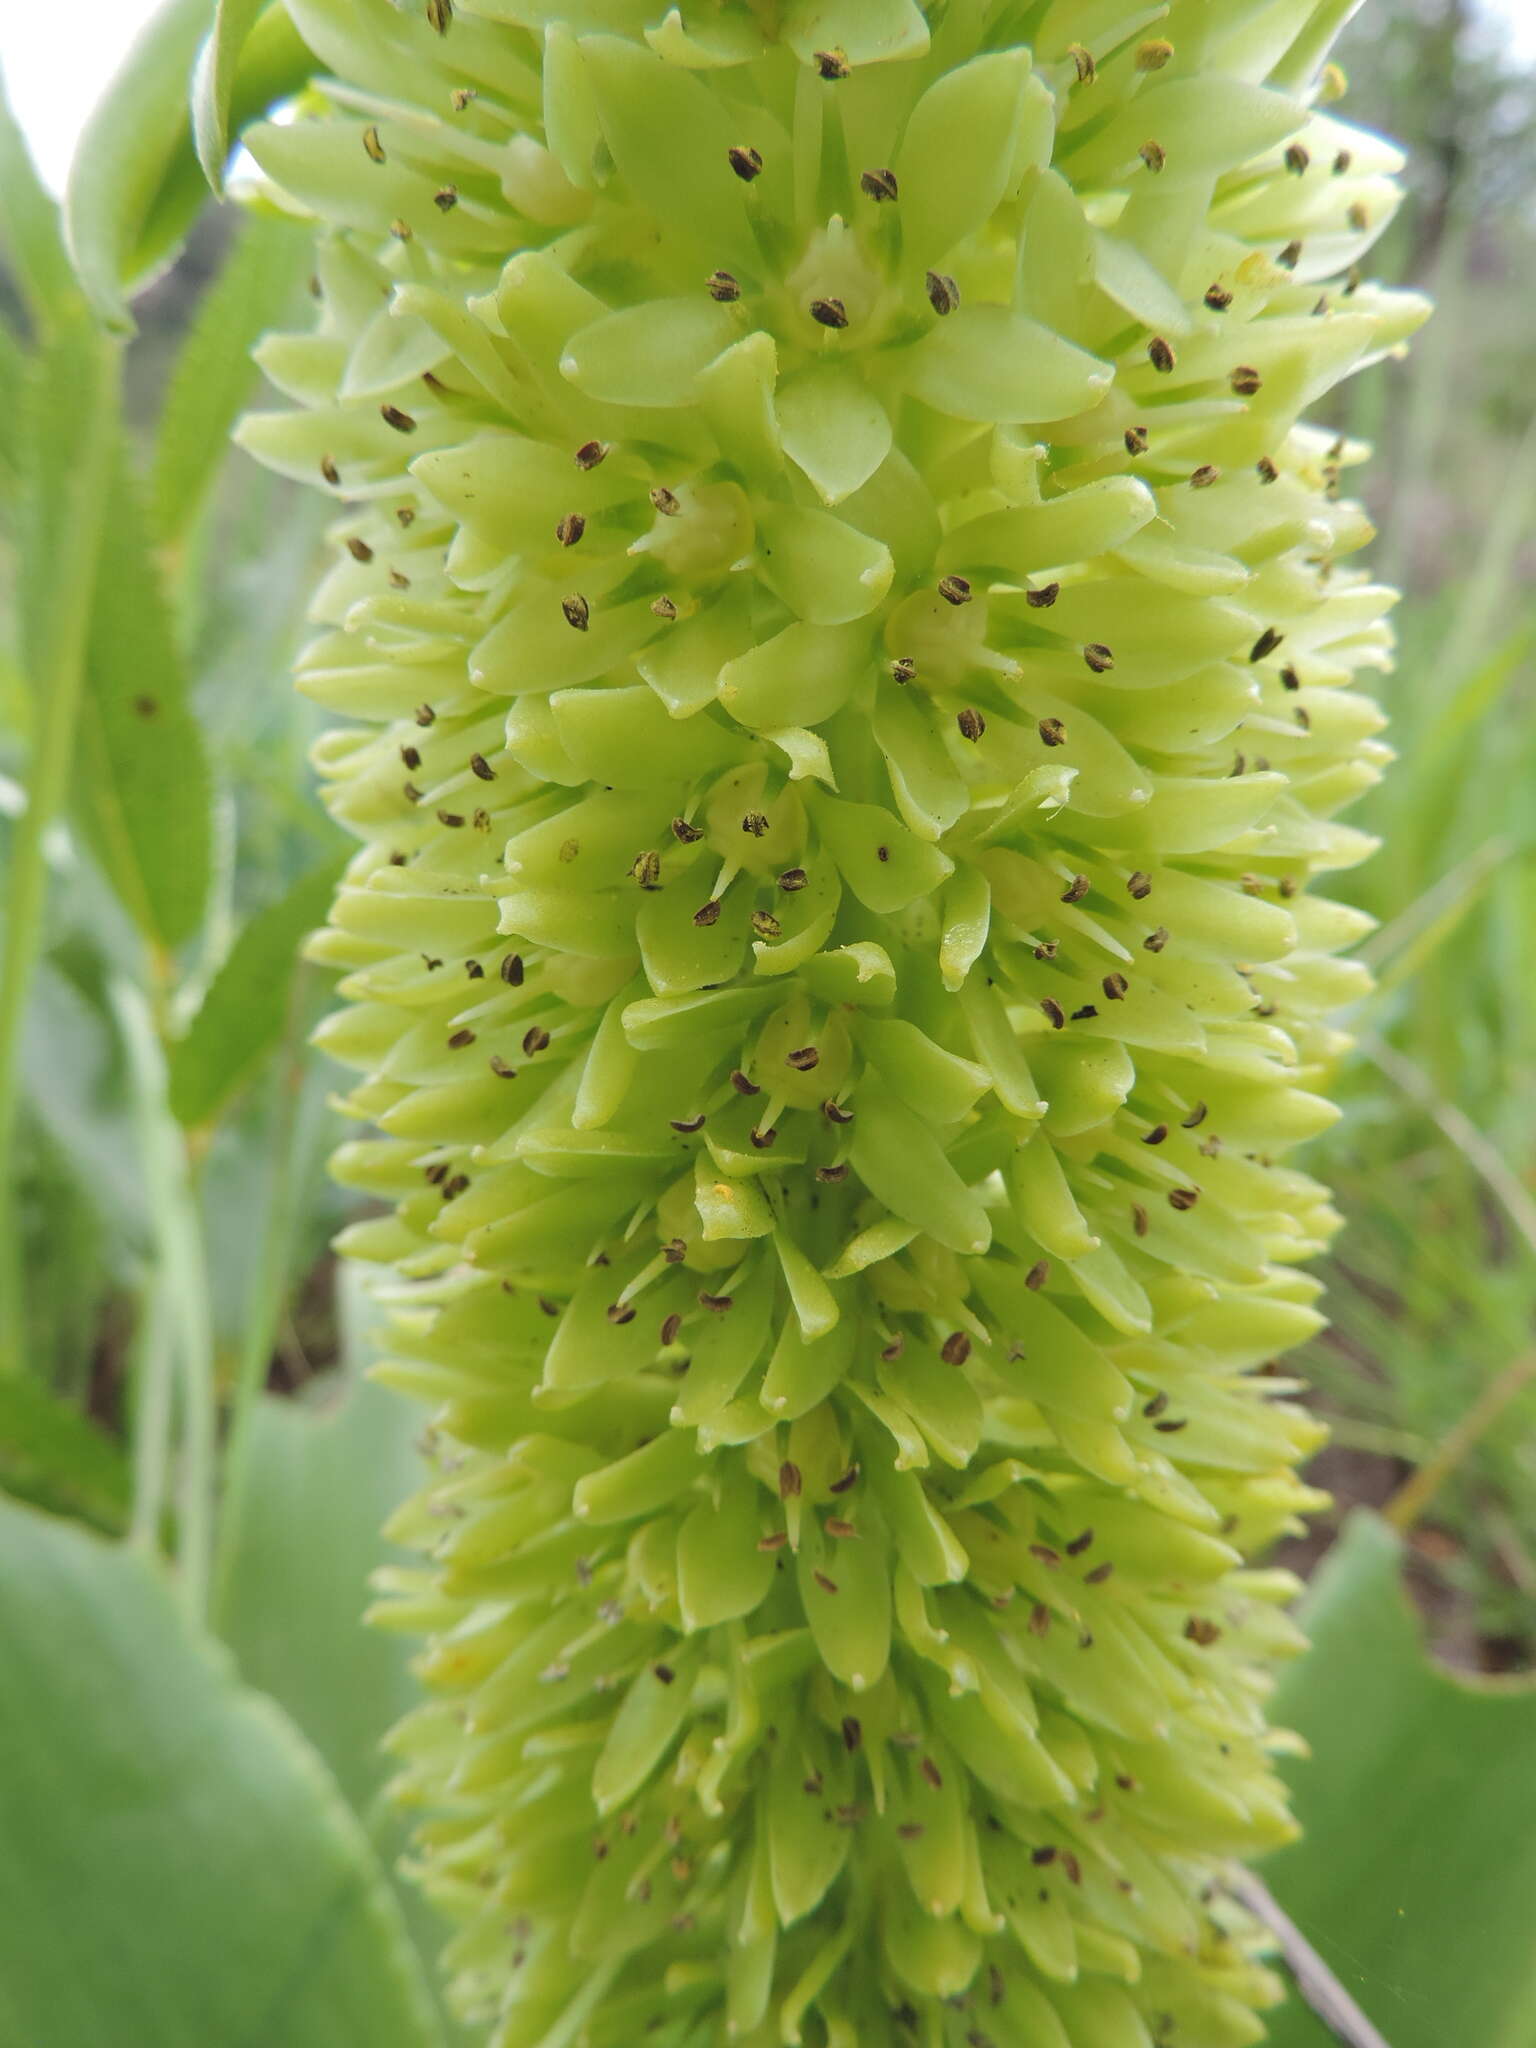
x,y
665,502
932,1773
1358,217
1115,987
1054,1011
742,1085
1076,889
1156,1135
803,1059
1183,1198
755,823
452,819
392,416
943,293
1037,1275
878,184
1155,941
1153,155
1139,885
1266,644
535,1039
474,970
1042,599
1053,732
578,612
842,1529
853,1734
955,589
792,879
674,1251
722,287
1160,355
452,1189
397,581
440,15
425,715
1042,1553
717,1304
664,608
766,925
1245,380
590,454
763,1141
1268,473
460,1039
1088,1010
1172,1428
570,529
646,869
832,1174
446,198
481,820
882,853
829,313
373,146
621,1312
1046,950
461,96
708,913
1217,297
1198,1630
1140,1221
827,1586
776,1541
848,1480
1289,256
956,1348
1195,1118
329,470
684,833
903,669
790,1481
1098,657
835,1113
744,161
1136,440
831,64
500,1068
971,723
1039,1619
664,1672
511,969
1202,478
1153,54
1079,1544
1082,64
482,768
1297,158
411,756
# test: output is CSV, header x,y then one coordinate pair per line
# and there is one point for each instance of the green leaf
x,y
51,1454
320,1482
176,1865
1417,1866
30,239
214,374
213,84
241,1017
141,784
126,151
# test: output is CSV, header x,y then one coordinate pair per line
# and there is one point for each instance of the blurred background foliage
x,y
178,1362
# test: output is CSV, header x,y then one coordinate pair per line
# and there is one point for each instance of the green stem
x,y
154,1399
181,1271
1415,1495
57,667
288,1151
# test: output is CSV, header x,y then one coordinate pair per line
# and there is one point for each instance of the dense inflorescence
x,y
851,665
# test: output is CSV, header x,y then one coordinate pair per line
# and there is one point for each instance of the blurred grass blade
x,y
142,790
213,375
242,1015
30,239
51,1455
70,432
176,1865
126,159
1417,1867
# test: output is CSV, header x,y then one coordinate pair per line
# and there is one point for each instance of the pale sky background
x,y
58,55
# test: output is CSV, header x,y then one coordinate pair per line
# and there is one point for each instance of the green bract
x,y
851,653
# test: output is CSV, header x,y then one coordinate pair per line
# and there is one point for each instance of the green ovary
x,y
850,660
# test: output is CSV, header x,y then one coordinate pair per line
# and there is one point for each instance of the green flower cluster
x,y
849,660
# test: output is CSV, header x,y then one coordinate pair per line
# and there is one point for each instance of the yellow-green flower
x,y
849,653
